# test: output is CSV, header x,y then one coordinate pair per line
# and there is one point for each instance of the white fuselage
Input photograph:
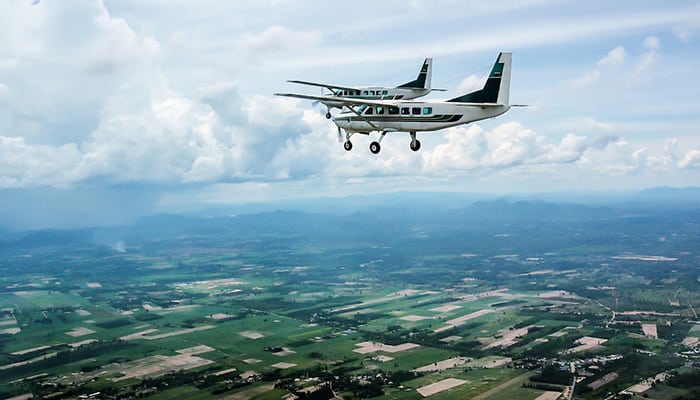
x,y
415,116
376,93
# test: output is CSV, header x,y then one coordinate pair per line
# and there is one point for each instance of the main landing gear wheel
x,y
374,147
347,145
328,115
415,145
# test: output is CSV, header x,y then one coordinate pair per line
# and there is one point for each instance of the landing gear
x,y
328,115
415,143
374,147
347,145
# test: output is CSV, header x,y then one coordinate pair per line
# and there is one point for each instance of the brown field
x,y
372,347
438,387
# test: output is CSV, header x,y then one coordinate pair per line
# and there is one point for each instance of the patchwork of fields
x,y
221,315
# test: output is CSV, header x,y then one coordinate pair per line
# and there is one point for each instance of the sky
x,y
113,109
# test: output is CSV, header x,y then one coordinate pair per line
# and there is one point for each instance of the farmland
x,y
445,305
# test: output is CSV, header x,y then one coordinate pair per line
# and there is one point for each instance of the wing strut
x,y
361,117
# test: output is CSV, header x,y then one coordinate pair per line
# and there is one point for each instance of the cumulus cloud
x,y
22,164
60,63
87,99
508,145
691,159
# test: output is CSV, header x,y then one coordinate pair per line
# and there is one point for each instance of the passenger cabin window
x,y
427,110
364,93
404,111
369,111
371,92
393,111
385,92
380,110
415,110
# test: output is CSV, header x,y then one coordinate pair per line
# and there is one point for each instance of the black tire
x,y
375,148
328,115
347,145
415,147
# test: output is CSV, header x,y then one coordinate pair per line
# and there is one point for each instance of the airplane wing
x,y
325,85
348,101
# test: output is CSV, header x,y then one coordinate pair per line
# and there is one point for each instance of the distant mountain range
x,y
381,215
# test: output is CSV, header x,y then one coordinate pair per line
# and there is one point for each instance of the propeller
x,y
315,102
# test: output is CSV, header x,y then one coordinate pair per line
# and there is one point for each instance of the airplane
x,y
367,115
410,90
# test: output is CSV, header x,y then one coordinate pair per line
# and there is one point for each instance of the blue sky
x,y
114,109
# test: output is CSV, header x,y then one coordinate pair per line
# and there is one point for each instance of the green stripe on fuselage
x,y
399,118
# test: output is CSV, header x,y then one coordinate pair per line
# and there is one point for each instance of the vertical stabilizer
x,y
424,77
496,90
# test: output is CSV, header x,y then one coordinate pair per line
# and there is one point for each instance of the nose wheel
x,y
347,145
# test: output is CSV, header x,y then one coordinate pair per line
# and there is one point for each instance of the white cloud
x,y
614,57
508,145
92,97
652,43
648,60
691,159
26,165
471,83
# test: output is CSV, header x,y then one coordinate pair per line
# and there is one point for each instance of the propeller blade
x,y
340,135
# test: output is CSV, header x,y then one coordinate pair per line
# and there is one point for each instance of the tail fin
x,y
497,87
424,76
